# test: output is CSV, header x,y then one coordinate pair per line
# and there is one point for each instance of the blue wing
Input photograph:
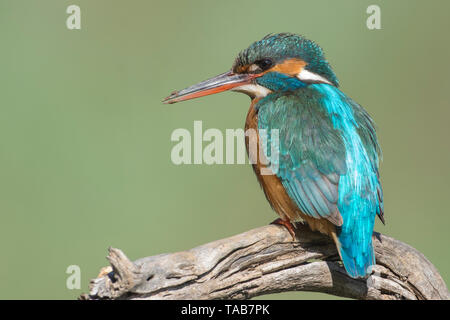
x,y
327,160
311,154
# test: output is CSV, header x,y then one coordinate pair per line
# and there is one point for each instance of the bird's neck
x,y
279,82
276,82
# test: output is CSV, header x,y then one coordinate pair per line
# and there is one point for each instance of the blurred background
x,y
85,140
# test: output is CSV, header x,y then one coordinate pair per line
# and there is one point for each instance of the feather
x,y
328,162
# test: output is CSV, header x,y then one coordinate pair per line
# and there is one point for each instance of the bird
x,y
325,170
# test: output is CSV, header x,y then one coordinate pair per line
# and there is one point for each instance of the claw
x,y
287,224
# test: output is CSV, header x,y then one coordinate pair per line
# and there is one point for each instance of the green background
x,y
85,140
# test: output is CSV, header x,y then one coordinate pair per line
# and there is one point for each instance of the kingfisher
x,y
327,156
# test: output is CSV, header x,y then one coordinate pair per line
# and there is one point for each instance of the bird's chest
x,y
251,132
273,189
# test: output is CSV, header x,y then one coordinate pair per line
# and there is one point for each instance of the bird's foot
x,y
287,224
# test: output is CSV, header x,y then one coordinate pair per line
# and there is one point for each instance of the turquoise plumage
x,y
328,161
325,162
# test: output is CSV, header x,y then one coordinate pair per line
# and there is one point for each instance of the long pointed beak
x,y
222,82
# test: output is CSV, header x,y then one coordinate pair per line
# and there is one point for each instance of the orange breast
x,y
272,186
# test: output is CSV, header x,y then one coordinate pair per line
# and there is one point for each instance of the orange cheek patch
x,y
290,67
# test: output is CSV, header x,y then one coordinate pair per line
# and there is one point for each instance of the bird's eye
x,y
264,64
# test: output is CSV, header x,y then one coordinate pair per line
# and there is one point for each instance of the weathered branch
x,y
266,260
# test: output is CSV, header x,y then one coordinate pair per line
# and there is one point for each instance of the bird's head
x,y
277,62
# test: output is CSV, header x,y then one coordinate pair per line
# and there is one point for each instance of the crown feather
x,y
283,46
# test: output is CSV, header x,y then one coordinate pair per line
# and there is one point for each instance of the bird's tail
x,y
358,257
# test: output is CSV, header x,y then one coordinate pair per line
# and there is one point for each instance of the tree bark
x,y
266,260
